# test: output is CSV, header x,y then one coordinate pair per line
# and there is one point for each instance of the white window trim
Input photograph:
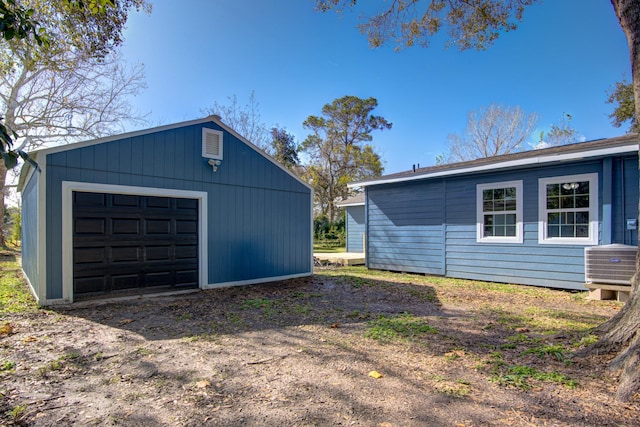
x,y
593,210
519,237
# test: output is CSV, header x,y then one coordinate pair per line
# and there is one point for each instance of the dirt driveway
x,y
307,353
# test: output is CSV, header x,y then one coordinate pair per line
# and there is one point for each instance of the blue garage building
x,y
188,205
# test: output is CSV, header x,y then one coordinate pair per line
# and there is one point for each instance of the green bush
x,y
329,233
16,233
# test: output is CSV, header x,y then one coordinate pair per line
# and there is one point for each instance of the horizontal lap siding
x,y
527,263
258,215
355,228
405,228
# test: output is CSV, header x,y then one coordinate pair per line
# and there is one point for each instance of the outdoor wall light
x,y
214,164
570,185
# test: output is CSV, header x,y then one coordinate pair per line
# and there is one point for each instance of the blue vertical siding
x,y
355,228
30,239
405,227
625,198
406,221
259,217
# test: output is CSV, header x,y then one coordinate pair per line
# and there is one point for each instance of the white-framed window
x,y
568,209
499,212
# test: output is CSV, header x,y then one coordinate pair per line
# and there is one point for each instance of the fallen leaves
x,y
203,384
6,329
375,374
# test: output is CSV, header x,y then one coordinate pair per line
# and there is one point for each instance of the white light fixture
x,y
570,185
214,164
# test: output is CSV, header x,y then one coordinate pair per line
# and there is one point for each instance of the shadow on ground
x,y
300,352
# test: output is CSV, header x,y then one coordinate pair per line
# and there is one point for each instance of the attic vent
x,y
610,264
212,144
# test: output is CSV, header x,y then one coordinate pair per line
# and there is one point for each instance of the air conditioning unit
x,y
610,264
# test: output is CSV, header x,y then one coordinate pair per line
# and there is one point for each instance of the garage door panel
x,y
91,284
158,202
89,199
94,226
125,281
125,200
186,251
158,279
134,242
186,277
187,204
158,226
125,254
187,227
89,255
125,226
157,253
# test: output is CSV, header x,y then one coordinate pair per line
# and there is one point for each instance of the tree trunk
x,y
621,333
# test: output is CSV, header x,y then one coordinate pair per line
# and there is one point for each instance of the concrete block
x,y
601,294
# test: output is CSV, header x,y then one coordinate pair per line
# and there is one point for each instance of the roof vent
x,y
211,144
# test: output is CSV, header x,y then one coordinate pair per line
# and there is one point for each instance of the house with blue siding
x,y
191,205
354,223
523,218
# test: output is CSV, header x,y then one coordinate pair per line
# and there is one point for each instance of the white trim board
x,y
256,281
495,166
68,187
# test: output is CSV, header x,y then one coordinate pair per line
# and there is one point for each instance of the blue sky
x,y
562,59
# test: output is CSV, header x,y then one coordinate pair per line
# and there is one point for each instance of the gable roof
x,y
40,154
582,150
356,200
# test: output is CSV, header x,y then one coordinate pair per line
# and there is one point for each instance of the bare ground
x,y
302,352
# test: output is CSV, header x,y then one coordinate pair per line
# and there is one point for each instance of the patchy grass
x,y
473,350
15,296
520,376
554,350
402,327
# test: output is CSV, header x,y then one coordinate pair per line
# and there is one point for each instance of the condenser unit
x,y
610,264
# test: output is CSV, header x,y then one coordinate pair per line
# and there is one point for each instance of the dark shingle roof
x,y
506,159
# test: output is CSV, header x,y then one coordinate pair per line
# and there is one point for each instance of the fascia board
x,y
532,161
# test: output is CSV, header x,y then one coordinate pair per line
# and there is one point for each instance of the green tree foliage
x,y
284,148
72,85
91,27
329,233
490,131
476,24
472,24
17,22
16,221
621,96
337,149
